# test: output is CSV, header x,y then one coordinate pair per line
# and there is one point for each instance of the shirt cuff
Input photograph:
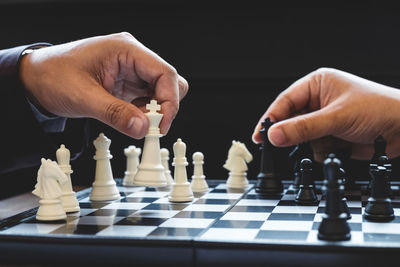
x,y
49,124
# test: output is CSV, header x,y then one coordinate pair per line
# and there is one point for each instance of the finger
x,y
183,87
302,128
163,78
303,94
119,114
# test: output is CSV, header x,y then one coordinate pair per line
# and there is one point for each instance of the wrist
x,y
27,77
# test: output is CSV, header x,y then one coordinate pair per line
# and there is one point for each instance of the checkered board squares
x,y
219,215
140,213
278,219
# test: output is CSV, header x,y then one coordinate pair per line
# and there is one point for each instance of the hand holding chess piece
x,y
333,108
106,78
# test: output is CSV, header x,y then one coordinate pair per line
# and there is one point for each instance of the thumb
x,y
121,115
302,128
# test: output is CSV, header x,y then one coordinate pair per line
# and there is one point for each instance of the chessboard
x,y
218,226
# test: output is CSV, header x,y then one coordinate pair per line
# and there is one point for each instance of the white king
x,y
150,170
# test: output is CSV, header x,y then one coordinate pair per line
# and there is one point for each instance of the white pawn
x,y
68,197
132,154
198,183
238,157
104,186
181,191
164,160
50,178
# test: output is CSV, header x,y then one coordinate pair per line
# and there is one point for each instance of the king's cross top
x,y
153,107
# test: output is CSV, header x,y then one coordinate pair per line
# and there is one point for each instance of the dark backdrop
x,y
236,57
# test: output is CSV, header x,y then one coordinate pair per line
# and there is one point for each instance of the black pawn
x,y
268,180
334,226
306,194
379,151
379,207
343,205
299,152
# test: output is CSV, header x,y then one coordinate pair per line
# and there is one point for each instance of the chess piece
x,y
343,204
268,180
50,178
238,157
379,206
68,197
132,154
379,150
104,187
181,191
165,162
150,170
306,194
300,152
334,226
198,183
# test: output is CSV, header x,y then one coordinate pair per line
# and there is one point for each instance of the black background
x,y
236,57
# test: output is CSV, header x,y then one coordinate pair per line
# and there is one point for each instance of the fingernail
x,y
277,136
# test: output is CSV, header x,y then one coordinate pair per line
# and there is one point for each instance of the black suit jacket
x,y
23,139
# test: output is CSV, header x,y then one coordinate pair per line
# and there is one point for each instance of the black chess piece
x,y
334,226
299,152
379,207
343,204
268,180
306,194
379,150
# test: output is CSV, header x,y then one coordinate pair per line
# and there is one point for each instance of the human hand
x,y
110,78
332,108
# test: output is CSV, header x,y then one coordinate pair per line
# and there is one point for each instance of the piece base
x,y
378,218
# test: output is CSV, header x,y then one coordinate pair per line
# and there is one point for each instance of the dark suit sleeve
x,y
26,134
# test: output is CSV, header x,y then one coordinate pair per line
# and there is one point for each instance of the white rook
x,y
150,170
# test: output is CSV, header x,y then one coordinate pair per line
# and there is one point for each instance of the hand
x,y
110,78
333,108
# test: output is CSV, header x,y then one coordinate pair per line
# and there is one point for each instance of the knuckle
x,y
170,71
113,112
302,129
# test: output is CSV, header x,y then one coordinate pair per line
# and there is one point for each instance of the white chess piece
x,y
164,161
48,187
104,187
150,170
68,197
198,183
132,154
181,191
238,157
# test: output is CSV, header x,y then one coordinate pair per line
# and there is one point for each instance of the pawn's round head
x,y
164,152
382,160
306,164
198,156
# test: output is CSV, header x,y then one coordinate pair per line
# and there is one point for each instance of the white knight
x,y
48,187
236,164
